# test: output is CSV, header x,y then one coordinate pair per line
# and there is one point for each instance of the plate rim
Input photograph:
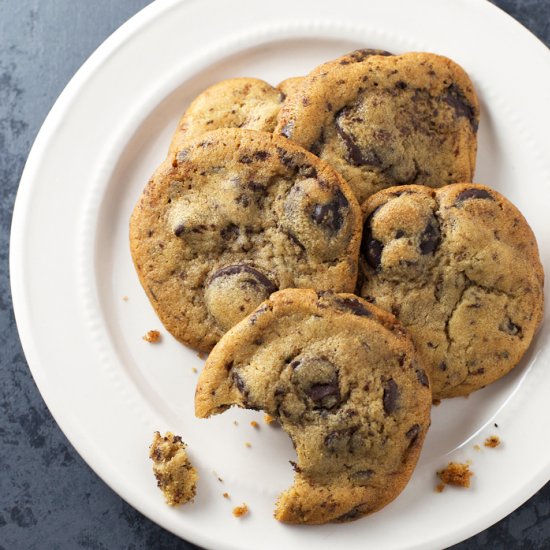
x,y
144,17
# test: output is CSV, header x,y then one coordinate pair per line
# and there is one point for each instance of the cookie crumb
x,y
456,474
268,419
492,441
194,370
254,424
436,402
202,355
153,336
226,495
240,511
235,423
496,425
176,477
247,444
477,448
439,488
125,298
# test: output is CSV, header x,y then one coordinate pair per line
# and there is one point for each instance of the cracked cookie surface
x,y
383,120
240,215
247,103
459,267
341,377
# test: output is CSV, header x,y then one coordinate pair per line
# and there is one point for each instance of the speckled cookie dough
x,y
240,215
459,267
384,120
175,475
234,103
340,375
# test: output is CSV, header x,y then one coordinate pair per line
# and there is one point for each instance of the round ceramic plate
x,y
82,314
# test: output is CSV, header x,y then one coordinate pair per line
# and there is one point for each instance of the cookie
x,y
238,215
459,267
235,103
290,85
341,378
387,120
176,477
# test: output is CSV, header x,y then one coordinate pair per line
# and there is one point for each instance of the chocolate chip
x,y
179,230
230,232
361,477
353,305
422,378
261,155
401,85
295,240
372,249
430,238
473,194
362,54
256,277
399,233
317,145
239,382
340,440
442,366
456,99
510,328
356,155
330,215
391,394
318,392
354,513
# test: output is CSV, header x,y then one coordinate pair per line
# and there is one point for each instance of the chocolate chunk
x,y
354,513
256,277
178,232
239,382
340,440
330,215
362,54
473,194
230,232
353,305
456,99
356,155
442,366
361,477
510,328
422,378
372,250
430,238
391,394
319,392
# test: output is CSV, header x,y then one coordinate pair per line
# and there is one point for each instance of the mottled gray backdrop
x,y
49,498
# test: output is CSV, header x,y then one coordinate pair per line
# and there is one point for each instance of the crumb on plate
x,y
477,448
176,477
456,474
254,424
153,336
492,441
240,511
247,444
436,402
268,419
125,298
226,495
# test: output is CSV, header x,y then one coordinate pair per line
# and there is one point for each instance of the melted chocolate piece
x,y
473,194
331,215
353,305
422,378
430,238
456,99
391,394
256,277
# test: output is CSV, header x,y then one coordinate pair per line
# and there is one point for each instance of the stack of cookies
x,y
323,240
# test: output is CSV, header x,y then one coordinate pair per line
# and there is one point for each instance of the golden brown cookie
x,y
240,215
234,103
341,377
387,120
459,267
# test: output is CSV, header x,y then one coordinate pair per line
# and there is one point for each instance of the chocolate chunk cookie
x,y
235,103
459,267
340,376
236,216
383,120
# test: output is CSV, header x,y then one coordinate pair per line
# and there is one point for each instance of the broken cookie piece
x,y
456,474
176,476
340,377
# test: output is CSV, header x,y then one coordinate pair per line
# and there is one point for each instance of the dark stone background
x,y
49,498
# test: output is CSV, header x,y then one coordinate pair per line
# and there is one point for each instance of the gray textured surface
x,y
49,498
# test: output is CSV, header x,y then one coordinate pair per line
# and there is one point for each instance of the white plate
x,y
71,267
